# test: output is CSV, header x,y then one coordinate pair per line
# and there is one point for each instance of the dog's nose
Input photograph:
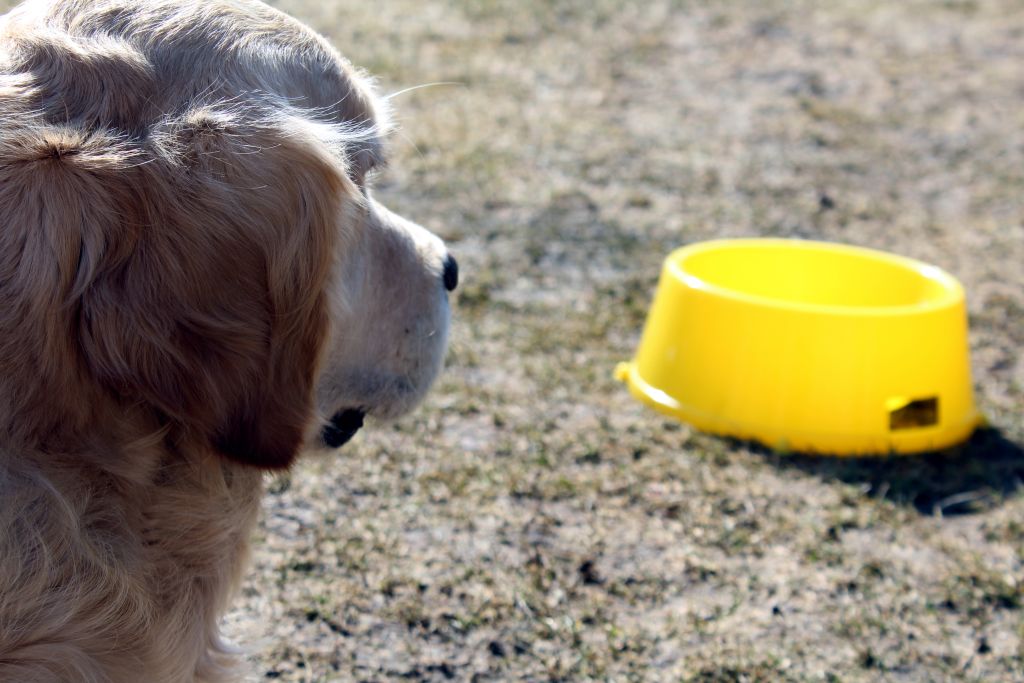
x,y
451,273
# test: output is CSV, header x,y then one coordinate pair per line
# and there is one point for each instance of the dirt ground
x,y
533,522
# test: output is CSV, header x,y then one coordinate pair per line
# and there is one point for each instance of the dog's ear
x,y
241,261
195,273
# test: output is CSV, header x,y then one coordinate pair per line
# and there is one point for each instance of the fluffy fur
x,y
193,279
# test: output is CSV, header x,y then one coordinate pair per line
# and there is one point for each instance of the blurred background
x,y
532,521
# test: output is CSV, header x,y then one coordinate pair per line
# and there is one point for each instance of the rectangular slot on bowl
x,y
921,412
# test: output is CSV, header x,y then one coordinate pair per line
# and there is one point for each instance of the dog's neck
x,y
94,562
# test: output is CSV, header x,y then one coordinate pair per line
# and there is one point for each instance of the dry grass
x,y
532,521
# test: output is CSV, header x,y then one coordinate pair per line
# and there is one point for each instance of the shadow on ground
x,y
960,480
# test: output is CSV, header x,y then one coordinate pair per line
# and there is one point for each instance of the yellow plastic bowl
x,y
808,346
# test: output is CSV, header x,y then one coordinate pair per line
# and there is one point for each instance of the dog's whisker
x,y
400,133
421,87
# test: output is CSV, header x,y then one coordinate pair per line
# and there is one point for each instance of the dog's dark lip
x,y
342,427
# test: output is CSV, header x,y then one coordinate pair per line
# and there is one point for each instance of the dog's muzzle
x,y
342,428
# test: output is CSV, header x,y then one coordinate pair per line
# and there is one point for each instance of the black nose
x,y
451,273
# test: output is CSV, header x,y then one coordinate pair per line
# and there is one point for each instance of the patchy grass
x,y
533,522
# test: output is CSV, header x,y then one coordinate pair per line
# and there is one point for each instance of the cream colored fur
x,y
193,279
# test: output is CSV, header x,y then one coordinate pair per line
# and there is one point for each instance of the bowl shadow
x,y
965,479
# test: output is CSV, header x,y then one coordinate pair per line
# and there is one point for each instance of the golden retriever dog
x,y
196,287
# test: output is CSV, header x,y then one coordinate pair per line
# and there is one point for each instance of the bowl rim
x,y
952,292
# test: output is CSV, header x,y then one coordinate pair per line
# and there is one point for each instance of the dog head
x,y
187,235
